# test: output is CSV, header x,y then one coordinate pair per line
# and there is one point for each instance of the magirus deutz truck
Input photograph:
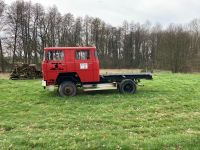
x,y
73,67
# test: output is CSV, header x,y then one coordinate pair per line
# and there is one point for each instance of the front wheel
x,y
67,89
127,86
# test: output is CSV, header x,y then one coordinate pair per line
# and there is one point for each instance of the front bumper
x,y
49,87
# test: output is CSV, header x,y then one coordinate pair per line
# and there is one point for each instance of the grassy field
x,y
164,114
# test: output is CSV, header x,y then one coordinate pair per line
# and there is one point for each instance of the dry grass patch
x,y
4,75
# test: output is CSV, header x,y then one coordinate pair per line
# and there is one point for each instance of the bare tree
x,y
67,30
2,5
13,18
77,32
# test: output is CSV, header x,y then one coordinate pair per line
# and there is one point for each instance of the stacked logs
x,y
25,71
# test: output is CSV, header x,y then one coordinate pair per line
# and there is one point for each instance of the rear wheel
x,y
127,86
67,89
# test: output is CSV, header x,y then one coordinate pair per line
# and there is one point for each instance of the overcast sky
x,y
116,11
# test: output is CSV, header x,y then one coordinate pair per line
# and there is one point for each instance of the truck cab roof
x,y
69,48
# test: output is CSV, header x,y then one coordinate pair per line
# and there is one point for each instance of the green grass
x,y
164,114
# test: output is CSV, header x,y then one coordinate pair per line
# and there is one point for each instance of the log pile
x,y
25,71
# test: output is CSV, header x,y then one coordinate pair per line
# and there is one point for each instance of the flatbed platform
x,y
120,77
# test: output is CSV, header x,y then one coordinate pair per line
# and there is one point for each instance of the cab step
x,y
102,86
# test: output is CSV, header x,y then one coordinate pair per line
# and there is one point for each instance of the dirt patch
x,y
4,75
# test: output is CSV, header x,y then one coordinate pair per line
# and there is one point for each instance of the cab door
x,y
55,63
83,65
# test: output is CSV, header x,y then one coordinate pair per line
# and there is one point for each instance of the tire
x,y
127,86
67,89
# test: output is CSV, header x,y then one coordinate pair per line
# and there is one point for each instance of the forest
x,y
27,27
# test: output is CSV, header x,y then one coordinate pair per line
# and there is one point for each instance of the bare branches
x,y
133,45
2,6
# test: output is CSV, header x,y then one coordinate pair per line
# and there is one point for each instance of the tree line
x,y
26,28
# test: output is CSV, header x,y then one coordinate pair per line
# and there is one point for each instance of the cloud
x,y
116,11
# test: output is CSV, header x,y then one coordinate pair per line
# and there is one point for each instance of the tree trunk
x,y
2,58
15,45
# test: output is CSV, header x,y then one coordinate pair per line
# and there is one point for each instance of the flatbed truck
x,y
73,67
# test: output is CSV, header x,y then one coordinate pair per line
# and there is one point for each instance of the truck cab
x,y
72,67
78,63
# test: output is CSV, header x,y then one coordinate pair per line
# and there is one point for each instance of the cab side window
x,y
55,55
82,54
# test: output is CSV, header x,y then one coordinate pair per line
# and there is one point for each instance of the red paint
x,y
70,64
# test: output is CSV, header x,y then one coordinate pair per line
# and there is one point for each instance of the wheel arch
x,y
68,76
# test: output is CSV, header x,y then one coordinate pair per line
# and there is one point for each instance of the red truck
x,y
72,67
